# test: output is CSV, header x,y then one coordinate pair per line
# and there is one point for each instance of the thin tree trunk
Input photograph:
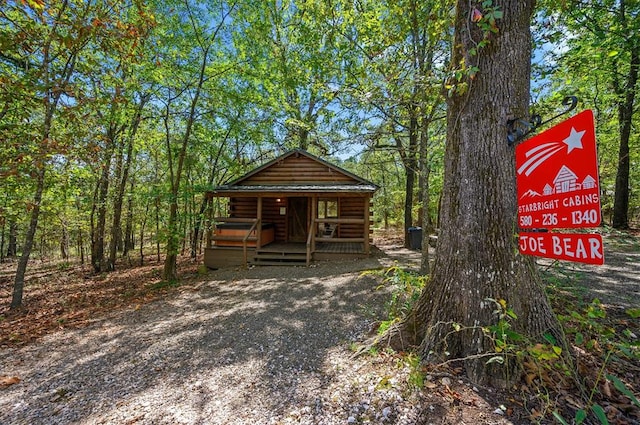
x,y
409,161
203,205
64,241
157,205
170,264
129,243
80,246
51,99
18,286
122,177
142,226
97,238
12,246
410,176
625,122
2,239
116,230
424,189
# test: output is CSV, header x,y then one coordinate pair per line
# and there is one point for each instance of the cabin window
x,y
328,208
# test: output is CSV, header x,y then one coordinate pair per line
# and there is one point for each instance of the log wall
x,y
351,208
248,207
298,170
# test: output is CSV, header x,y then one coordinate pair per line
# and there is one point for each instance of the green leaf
x,y
581,415
600,414
579,338
634,313
559,417
550,338
620,386
613,53
498,14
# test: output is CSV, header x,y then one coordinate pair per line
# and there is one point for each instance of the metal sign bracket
x,y
519,128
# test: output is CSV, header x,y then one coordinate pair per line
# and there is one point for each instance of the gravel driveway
x,y
240,347
268,345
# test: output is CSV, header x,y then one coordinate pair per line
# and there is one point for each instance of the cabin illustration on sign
x,y
565,181
294,209
589,183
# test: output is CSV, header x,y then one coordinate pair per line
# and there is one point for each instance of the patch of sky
x,y
550,41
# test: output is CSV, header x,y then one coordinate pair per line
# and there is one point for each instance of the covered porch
x,y
294,209
293,230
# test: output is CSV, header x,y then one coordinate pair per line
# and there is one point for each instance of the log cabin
x,y
292,210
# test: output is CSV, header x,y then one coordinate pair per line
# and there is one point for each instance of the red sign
x,y
581,248
557,176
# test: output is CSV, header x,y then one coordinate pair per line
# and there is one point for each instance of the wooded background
x,y
115,117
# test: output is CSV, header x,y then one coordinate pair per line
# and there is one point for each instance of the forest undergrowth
x,y
60,294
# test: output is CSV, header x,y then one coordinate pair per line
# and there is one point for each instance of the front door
x,y
297,218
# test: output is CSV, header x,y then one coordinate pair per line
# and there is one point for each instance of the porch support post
x,y
366,225
209,218
314,226
259,229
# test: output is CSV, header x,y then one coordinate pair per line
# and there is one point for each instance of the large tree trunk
x,y
477,257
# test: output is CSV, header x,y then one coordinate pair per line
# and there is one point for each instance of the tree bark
x,y
2,239
100,204
18,286
64,241
477,257
625,121
129,240
12,245
423,183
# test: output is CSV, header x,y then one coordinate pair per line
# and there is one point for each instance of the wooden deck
x,y
282,253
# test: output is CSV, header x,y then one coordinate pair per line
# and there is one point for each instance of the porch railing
x,y
312,239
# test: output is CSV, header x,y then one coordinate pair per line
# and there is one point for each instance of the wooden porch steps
x,y
279,259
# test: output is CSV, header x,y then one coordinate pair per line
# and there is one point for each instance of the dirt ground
x,y
269,345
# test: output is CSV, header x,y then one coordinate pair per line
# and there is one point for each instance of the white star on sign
x,y
574,141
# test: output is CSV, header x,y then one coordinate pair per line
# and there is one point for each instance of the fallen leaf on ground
x,y
6,381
